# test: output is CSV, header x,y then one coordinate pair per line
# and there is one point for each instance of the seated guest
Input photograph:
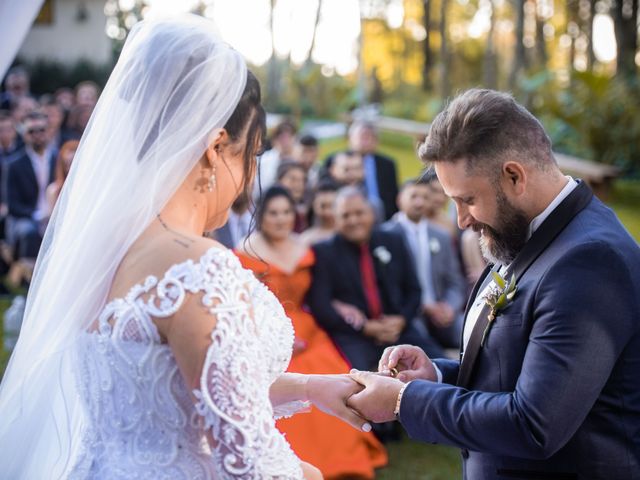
x,y
63,167
347,169
27,178
293,176
233,233
437,267
283,263
365,293
323,213
380,177
282,141
472,259
437,208
305,152
16,87
10,141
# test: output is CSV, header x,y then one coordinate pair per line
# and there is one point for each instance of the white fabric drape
x,y
16,18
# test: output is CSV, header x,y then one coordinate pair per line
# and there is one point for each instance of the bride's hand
x,y
330,394
310,472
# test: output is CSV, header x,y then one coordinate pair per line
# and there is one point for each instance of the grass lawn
x,y
408,459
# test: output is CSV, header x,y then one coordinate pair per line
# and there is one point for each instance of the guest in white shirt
x,y
282,143
437,266
233,233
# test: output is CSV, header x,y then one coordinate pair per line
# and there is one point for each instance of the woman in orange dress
x,y
281,261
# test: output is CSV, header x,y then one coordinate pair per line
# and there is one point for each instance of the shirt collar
x,y
564,193
404,220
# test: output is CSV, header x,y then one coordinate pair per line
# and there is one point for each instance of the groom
x,y
548,381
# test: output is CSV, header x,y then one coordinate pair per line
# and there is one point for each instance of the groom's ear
x,y
514,177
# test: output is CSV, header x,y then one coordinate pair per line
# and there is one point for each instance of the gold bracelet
x,y
396,411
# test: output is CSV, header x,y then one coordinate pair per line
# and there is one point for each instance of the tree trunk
x,y
519,60
273,70
625,15
490,57
426,46
315,30
541,47
591,56
445,81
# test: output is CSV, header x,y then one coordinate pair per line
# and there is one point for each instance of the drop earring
x,y
212,183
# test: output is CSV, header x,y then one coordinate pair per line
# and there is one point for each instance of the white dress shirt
x,y
478,304
418,239
41,168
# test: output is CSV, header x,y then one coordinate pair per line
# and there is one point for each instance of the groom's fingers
x,y
383,364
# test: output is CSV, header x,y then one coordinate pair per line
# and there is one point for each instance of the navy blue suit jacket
x,y
555,390
22,185
336,276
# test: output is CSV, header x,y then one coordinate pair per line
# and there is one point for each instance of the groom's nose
x,y
464,218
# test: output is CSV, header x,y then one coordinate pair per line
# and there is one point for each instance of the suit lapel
x,y
559,218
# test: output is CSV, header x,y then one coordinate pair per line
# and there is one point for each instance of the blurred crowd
x,y
359,261
38,140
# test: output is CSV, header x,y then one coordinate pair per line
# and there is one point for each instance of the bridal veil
x,y
174,84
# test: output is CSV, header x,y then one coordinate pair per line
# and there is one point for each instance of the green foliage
x,y
49,75
594,118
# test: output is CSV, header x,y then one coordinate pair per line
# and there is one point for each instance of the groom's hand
x,y
330,393
410,361
378,399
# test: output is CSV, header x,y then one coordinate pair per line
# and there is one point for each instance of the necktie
x,y
369,284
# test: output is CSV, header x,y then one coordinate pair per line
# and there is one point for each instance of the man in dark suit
x,y
364,291
27,176
548,385
437,267
380,176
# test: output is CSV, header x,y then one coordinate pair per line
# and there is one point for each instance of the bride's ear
x,y
217,139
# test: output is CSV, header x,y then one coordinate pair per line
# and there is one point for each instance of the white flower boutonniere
x,y
434,245
498,297
382,254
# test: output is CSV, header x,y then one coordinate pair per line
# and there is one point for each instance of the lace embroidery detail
x,y
142,420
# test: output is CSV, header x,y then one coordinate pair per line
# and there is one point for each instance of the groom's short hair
x,y
486,128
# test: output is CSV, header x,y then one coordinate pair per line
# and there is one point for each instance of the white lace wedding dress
x,y
143,421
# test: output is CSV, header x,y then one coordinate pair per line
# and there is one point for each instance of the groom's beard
x,y
501,244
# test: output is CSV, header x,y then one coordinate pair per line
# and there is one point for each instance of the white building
x,y
68,31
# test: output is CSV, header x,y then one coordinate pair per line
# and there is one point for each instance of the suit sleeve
x,y
581,326
320,294
15,202
449,369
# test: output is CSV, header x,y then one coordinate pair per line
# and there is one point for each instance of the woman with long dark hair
x,y
283,262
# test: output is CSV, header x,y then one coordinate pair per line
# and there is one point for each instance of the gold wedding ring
x,y
394,372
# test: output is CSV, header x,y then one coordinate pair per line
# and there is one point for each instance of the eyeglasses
x,y
32,131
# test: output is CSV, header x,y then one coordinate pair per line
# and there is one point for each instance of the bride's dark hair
x,y
249,117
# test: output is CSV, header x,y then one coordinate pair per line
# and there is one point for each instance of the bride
x,y
146,350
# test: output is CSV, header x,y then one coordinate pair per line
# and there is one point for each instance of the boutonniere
x,y
498,297
434,245
382,254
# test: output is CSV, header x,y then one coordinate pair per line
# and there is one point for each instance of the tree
x,y
426,46
520,54
445,81
625,18
490,56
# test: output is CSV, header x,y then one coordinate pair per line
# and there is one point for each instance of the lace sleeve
x,y
233,398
